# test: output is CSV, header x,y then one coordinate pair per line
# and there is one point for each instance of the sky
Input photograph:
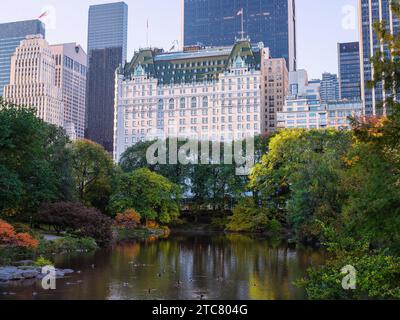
x,y
321,24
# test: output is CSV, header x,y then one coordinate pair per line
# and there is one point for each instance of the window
x,y
171,104
160,105
194,103
205,102
182,103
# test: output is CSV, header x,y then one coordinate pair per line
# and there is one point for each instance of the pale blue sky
x,y
321,24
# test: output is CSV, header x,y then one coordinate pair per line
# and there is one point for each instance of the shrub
x,y
150,224
67,245
75,218
129,219
43,262
248,218
8,236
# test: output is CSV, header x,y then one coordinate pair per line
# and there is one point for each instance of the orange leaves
x,y
370,128
130,218
8,236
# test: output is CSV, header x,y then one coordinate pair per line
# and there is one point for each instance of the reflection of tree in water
x,y
185,267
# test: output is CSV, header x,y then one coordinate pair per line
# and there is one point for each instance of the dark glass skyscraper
x,y
11,35
349,70
217,23
107,50
372,11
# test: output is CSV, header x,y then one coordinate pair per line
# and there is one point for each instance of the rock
x,y
60,274
30,274
67,271
25,262
4,277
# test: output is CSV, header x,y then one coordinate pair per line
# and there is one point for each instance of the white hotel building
x,y
204,93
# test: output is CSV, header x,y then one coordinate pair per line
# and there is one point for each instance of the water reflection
x,y
181,267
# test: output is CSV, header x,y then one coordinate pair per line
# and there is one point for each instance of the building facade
x,y
33,80
274,89
107,48
203,93
349,70
329,87
372,11
70,60
11,35
216,23
108,27
304,113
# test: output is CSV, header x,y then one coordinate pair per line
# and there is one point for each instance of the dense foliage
x,y
153,196
34,162
77,219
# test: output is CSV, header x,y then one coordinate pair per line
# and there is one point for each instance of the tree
x,y
150,194
93,171
31,152
298,178
78,219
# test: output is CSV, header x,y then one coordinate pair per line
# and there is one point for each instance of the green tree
x,y
150,194
31,152
93,171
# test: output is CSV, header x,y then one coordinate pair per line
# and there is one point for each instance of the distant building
x,y
107,49
11,35
274,89
298,80
372,11
305,109
349,70
329,87
218,23
306,113
71,61
32,80
203,93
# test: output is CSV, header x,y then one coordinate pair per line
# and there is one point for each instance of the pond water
x,y
184,266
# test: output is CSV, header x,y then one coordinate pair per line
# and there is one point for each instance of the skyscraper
x,y
329,87
32,80
11,35
70,60
107,49
218,23
372,11
349,70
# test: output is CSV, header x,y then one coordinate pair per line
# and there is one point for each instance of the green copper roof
x,y
188,66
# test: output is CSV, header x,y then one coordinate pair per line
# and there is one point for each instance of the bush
x,y
377,277
67,245
9,237
43,262
248,218
129,219
75,218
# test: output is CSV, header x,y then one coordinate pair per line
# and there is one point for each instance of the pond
x,y
184,266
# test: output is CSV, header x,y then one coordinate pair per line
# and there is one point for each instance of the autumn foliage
x,y
128,219
8,236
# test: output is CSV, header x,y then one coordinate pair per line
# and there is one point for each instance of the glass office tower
x,y
349,70
11,35
217,23
107,50
370,12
